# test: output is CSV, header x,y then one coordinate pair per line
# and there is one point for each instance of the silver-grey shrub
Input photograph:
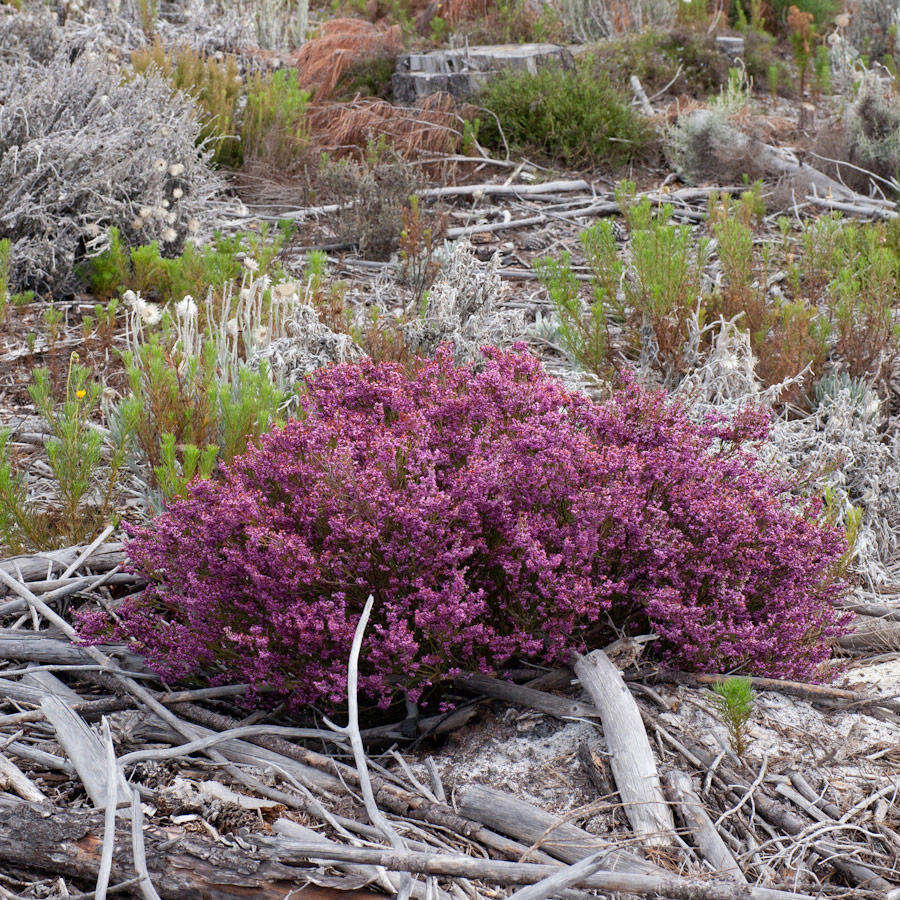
x,y
81,150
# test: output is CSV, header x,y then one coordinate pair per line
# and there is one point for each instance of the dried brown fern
x,y
433,126
340,46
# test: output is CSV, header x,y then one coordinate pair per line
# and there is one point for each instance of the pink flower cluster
x,y
494,516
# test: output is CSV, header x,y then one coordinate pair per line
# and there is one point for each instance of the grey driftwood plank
x,y
84,748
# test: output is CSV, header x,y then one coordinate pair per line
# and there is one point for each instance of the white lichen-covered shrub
x,y
308,345
81,150
844,446
874,28
464,308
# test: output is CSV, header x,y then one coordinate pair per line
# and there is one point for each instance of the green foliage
x,y
765,65
572,115
685,59
837,312
184,413
53,317
84,483
195,271
215,85
734,700
273,124
265,118
369,77
822,69
584,328
822,11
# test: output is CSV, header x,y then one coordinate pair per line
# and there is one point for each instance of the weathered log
x,y
631,757
730,149
508,814
663,883
875,635
67,842
520,695
698,822
51,562
12,777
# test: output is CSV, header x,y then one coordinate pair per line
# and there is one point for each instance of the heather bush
x,y
494,516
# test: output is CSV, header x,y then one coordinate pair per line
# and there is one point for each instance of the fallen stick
x,y
296,832
874,610
560,881
520,695
883,637
14,779
526,823
47,563
85,749
698,822
815,693
631,757
785,819
663,884
640,95
502,190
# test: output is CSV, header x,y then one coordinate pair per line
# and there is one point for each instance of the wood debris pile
x,y
612,777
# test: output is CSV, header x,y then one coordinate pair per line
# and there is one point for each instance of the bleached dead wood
x,y
663,884
731,144
640,95
520,695
84,748
67,843
630,755
52,562
504,190
874,635
698,822
508,814
300,833
48,682
14,779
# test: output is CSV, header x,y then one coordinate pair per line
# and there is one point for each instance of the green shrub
x,y
83,480
262,119
734,700
273,123
188,407
573,115
216,87
195,271
370,77
822,11
656,58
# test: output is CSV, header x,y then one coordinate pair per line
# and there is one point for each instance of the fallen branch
x,y
502,872
701,827
508,814
631,758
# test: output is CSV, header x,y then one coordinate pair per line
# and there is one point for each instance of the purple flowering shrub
x,y
495,516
